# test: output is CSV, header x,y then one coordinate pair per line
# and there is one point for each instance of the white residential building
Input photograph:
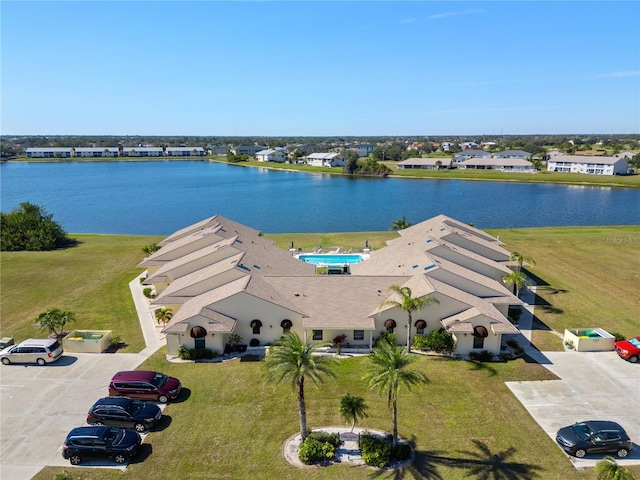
x,y
587,164
325,160
272,155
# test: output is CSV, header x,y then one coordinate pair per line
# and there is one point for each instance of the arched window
x,y
479,334
390,324
286,325
255,325
420,326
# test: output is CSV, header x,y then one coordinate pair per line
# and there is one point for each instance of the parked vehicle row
x,y
117,421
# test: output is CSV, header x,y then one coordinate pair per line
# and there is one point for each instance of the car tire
x,y
120,458
41,362
632,359
163,399
139,427
580,453
6,361
622,452
75,460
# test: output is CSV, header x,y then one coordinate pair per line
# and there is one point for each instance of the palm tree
x,y
608,469
163,315
521,258
149,249
290,359
517,279
353,408
54,320
400,224
387,372
408,304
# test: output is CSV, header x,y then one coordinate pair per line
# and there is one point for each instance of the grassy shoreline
x,y
579,179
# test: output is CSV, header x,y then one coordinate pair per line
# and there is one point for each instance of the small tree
x,y
353,408
163,315
521,258
517,279
400,224
608,469
150,249
54,320
31,228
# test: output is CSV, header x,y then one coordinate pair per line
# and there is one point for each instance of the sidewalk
x,y
153,339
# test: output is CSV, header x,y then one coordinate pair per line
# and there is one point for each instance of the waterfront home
x,y
221,278
325,160
272,155
363,149
96,152
512,154
425,163
185,151
143,152
467,154
49,152
250,150
587,164
507,164
218,150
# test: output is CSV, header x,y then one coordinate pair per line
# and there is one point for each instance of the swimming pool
x,y
332,258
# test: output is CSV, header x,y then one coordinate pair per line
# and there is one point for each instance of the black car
x,y
124,412
100,442
594,436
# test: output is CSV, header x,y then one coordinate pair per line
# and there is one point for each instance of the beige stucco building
x,y
221,278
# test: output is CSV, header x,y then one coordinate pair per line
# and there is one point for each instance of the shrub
x,y
401,451
618,336
506,356
196,353
234,339
313,450
339,339
326,437
254,342
375,450
483,356
440,341
147,292
390,338
420,342
29,227
142,279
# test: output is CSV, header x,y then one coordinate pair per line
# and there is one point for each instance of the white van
x,y
33,350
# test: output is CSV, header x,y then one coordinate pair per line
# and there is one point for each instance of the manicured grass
x,y
90,279
588,277
346,241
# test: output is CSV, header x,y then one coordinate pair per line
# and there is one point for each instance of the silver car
x,y
33,350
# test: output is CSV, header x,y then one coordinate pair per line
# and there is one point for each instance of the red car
x,y
628,349
145,385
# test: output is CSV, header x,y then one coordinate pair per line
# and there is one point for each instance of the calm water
x,y
161,197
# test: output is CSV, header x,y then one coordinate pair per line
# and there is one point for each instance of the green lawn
x,y
231,423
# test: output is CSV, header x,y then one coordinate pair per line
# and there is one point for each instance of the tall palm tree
x,y
408,304
400,224
608,469
521,258
517,279
290,359
387,372
163,315
353,408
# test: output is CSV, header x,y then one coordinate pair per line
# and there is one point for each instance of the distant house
x,y
627,155
446,146
218,150
272,155
50,152
325,160
363,150
185,151
504,164
512,154
246,150
425,163
587,164
93,152
143,151
469,146
467,154
488,144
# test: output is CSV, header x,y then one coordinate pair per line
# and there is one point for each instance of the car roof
x,y
92,431
604,425
38,341
114,401
137,375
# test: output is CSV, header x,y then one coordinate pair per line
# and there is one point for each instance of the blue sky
x,y
319,68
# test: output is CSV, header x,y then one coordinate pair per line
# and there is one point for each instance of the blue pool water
x,y
328,259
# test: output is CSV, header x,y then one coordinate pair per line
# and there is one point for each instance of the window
x,y
420,326
358,334
390,324
317,334
286,325
478,342
255,326
199,342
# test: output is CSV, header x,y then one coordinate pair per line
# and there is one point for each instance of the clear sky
x,y
303,68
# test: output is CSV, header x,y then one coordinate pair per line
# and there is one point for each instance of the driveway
x,y
40,405
592,386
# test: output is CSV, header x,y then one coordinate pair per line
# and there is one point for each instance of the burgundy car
x,y
145,385
628,349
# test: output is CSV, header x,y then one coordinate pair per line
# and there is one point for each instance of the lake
x,y
158,198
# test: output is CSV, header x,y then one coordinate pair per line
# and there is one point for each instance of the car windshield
x,y
635,342
582,430
136,406
159,380
114,436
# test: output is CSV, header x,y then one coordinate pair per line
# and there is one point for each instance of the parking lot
x,y
593,386
40,405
